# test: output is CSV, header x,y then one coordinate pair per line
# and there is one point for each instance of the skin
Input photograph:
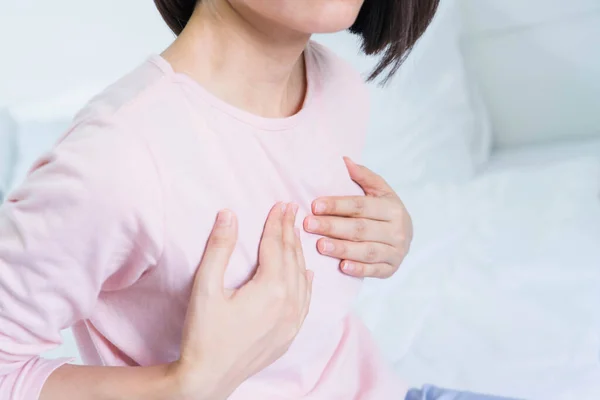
x,y
249,53
371,234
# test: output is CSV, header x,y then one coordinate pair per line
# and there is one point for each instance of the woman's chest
x,y
250,183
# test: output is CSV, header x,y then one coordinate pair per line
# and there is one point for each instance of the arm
x,y
115,383
83,222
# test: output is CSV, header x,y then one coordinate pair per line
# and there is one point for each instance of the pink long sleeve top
x,y
107,231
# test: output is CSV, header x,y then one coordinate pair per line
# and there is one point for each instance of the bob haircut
x,y
389,28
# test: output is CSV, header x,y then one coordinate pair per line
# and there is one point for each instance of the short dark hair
x,y
389,28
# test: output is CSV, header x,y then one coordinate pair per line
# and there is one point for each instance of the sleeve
x,y
87,219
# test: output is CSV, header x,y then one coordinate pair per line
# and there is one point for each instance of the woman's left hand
x,y
371,234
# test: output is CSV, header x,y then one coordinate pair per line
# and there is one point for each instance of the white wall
x,y
538,65
51,47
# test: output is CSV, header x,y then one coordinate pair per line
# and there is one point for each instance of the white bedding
x,y
501,291
543,154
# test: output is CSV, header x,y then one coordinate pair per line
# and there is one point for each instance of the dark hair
x,y
387,27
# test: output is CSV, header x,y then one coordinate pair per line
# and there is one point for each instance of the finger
x,y
371,183
220,246
299,252
270,255
302,273
364,252
353,229
308,279
302,292
354,206
289,245
361,270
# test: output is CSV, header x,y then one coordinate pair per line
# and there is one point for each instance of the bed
x,y
501,290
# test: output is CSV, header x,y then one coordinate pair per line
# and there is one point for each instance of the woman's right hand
x,y
231,335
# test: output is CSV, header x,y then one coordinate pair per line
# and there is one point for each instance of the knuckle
x,y
219,241
325,226
289,245
358,206
330,206
360,226
268,240
341,249
371,254
360,270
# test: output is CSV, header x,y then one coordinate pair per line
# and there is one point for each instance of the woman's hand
x,y
371,234
231,335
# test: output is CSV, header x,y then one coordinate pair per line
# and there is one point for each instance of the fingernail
x,y
348,267
327,246
283,207
319,207
297,232
312,224
295,209
224,218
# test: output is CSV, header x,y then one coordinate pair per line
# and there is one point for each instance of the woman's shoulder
x,y
130,96
105,153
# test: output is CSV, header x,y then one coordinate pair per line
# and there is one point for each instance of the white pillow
x,y
427,124
538,66
8,151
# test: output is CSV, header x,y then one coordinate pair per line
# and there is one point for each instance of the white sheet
x,y
501,291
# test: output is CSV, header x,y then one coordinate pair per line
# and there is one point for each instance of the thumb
x,y
371,183
220,246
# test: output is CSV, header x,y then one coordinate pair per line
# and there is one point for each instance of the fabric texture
x,y
106,233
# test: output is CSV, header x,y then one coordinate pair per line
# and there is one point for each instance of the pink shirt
x,y
106,233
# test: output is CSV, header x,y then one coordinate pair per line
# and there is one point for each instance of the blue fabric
x,y
435,393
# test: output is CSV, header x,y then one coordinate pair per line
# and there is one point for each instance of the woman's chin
x,y
305,16
339,16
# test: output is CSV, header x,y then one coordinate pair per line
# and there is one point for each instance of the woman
x,y
240,113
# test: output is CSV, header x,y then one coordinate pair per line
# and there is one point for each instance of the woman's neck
x,y
243,65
